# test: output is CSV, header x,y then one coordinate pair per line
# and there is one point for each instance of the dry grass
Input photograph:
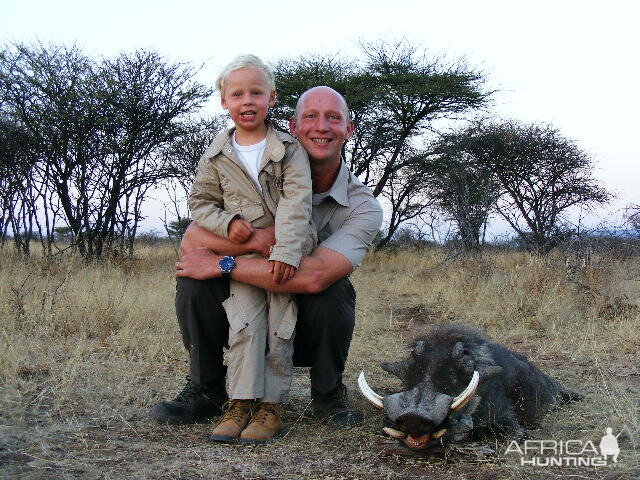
x,y
86,350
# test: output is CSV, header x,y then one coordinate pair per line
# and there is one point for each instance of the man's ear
x,y
350,128
292,126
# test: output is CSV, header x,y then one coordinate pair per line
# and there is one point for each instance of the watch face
x,y
227,264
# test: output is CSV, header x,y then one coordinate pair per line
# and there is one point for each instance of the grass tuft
x,y
87,349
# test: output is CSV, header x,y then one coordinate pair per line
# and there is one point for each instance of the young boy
x,y
253,176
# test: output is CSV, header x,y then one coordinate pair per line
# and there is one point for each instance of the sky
x,y
574,64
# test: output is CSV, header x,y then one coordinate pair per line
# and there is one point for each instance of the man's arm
x,y
198,237
317,271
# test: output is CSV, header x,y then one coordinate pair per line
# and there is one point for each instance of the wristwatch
x,y
226,264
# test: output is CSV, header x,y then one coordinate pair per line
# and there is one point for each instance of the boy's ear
x,y
223,102
272,98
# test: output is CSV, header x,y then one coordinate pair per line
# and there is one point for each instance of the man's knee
x,y
201,317
332,308
188,287
325,325
198,292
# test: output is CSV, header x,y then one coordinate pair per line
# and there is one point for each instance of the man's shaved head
x,y
343,102
322,125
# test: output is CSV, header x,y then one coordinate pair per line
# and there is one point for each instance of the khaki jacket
x,y
223,190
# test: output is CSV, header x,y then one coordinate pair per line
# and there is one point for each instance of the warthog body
x,y
511,392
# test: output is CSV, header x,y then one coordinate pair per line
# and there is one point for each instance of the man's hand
x,y
239,230
199,264
282,272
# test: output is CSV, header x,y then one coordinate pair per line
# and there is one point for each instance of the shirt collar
x,y
274,147
338,190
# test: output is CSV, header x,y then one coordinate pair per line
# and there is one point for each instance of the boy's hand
x,y
281,271
262,240
239,230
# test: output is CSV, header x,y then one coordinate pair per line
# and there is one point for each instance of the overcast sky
x,y
574,64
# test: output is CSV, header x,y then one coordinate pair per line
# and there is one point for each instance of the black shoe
x,y
193,403
335,408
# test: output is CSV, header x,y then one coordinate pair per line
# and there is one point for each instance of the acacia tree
x,y
541,175
181,157
18,196
463,189
99,128
632,218
148,100
183,153
396,94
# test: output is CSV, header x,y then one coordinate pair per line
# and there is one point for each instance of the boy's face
x,y
247,97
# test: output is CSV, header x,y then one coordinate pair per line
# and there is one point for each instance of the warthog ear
x,y
419,348
399,369
474,357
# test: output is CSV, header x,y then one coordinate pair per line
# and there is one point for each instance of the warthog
x,y
456,380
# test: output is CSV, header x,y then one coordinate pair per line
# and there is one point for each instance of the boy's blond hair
x,y
246,61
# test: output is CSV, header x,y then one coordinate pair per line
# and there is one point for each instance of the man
x,y
347,218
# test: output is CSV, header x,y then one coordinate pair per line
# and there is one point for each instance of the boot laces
x,y
264,411
190,392
236,410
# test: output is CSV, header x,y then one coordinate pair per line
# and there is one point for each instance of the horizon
x,y
566,64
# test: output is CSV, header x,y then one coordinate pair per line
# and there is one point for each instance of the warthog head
x,y
456,380
441,377
421,414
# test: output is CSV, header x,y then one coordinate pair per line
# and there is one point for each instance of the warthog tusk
x,y
462,399
394,433
368,392
439,433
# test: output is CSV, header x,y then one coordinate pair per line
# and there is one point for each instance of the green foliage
x,y
99,129
540,173
396,93
176,228
465,190
63,232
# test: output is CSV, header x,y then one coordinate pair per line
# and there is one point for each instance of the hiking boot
x,y
265,424
193,403
335,409
236,417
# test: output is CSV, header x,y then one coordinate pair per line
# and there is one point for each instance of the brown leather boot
x,y
265,424
237,414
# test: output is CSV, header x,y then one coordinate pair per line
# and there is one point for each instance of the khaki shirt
x,y
223,190
347,217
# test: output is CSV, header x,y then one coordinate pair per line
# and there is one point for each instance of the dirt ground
x,y
122,443
79,409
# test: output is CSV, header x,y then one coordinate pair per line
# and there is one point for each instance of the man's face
x,y
247,97
322,126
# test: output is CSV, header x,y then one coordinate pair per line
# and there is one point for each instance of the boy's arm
x,y
317,271
196,237
293,215
206,200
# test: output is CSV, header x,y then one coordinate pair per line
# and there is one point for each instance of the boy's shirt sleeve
x,y
206,200
293,217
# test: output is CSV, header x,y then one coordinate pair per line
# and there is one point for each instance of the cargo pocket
x,y
283,315
236,314
245,305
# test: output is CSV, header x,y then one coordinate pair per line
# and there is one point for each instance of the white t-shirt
x,y
250,155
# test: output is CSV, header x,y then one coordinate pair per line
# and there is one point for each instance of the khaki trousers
x,y
261,334
323,332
